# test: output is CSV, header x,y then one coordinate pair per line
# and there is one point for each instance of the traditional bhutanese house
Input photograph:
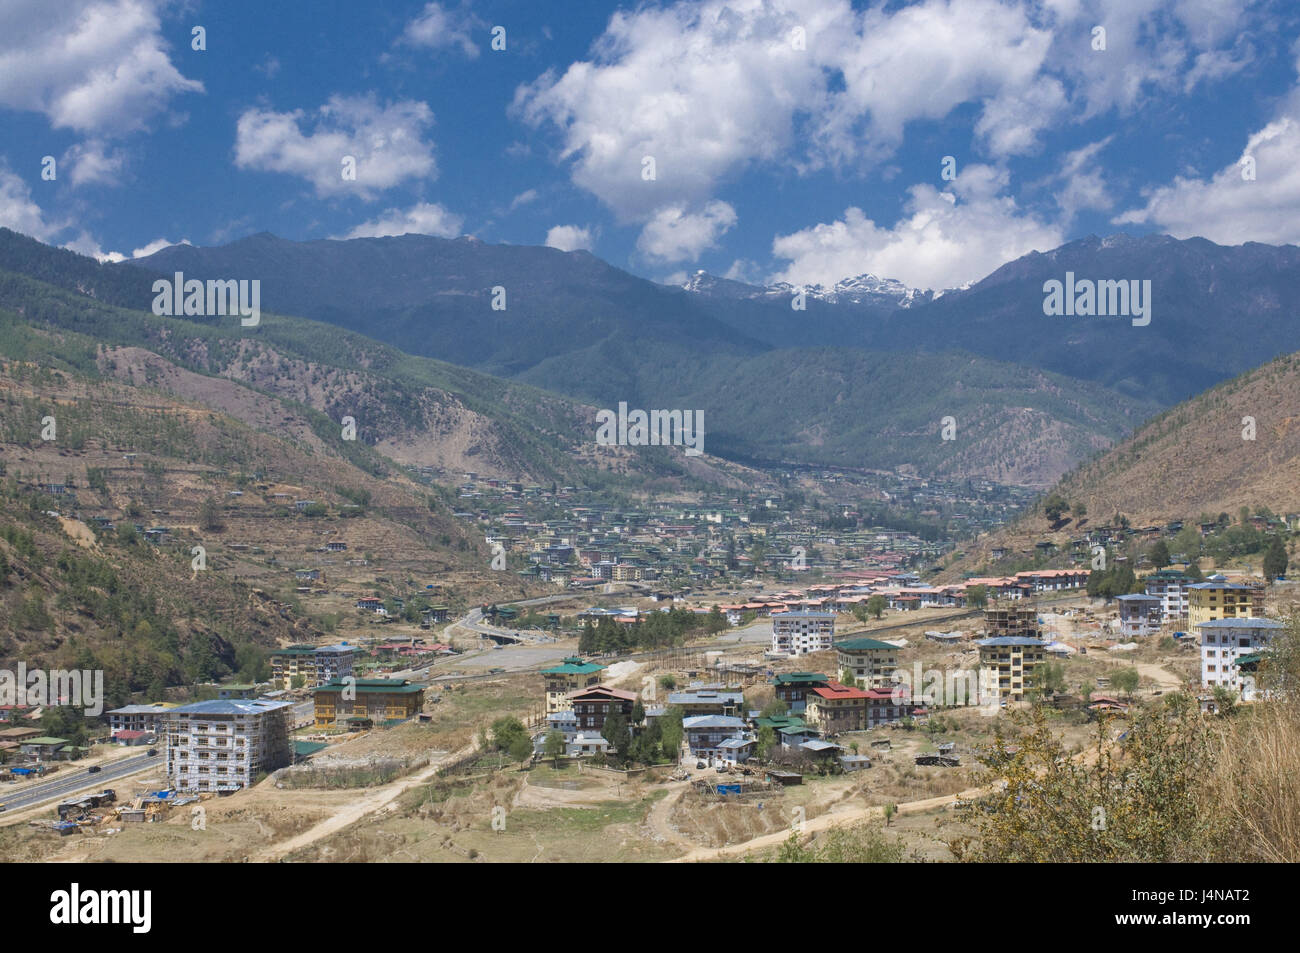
x,y
793,687
596,704
377,700
885,706
869,661
704,733
835,708
569,676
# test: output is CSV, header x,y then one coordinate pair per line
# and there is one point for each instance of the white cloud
x,y
386,141
709,87
523,198
84,244
96,66
18,211
570,238
946,239
1151,46
1079,183
158,244
1228,209
437,27
701,87
422,219
743,270
94,163
674,234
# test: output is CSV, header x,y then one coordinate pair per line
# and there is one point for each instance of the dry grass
x,y
1255,787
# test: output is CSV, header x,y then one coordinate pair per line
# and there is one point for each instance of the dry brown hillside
x,y
1195,458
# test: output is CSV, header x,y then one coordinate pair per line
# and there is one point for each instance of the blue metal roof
x,y
1011,640
1240,624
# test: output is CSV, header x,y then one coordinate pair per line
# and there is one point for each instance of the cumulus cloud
x,y
1080,183
675,234
946,239
701,87
96,66
84,244
424,218
570,238
386,141
1228,208
158,244
439,27
19,211
709,87
94,163
713,88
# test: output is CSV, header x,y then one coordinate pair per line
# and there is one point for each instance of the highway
x,y
71,779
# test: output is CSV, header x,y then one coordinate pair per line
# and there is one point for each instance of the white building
x,y
1171,588
146,718
225,745
1223,641
1139,615
705,735
798,633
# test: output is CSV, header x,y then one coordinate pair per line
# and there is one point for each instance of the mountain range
x,y
820,385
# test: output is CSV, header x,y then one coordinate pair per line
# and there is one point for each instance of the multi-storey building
x,y
569,676
1010,663
707,701
374,699
317,664
1216,598
871,662
1011,620
1139,615
225,745
1171,587
1224,641
793,687
594,706
834,708
705,735
147,718
801,632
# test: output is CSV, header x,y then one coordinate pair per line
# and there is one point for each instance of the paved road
x,y
71,779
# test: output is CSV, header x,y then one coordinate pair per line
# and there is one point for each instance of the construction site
x,y
101,813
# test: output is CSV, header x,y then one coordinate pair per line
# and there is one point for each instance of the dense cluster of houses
x,y
716,726
595,543
1174,598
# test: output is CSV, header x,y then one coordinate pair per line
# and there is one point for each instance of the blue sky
x,y
798,140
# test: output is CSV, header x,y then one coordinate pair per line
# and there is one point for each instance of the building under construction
x,y
1011,619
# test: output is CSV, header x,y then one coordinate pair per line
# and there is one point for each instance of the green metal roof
x,y
864,644
303,748
371,686
792,678
568,668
